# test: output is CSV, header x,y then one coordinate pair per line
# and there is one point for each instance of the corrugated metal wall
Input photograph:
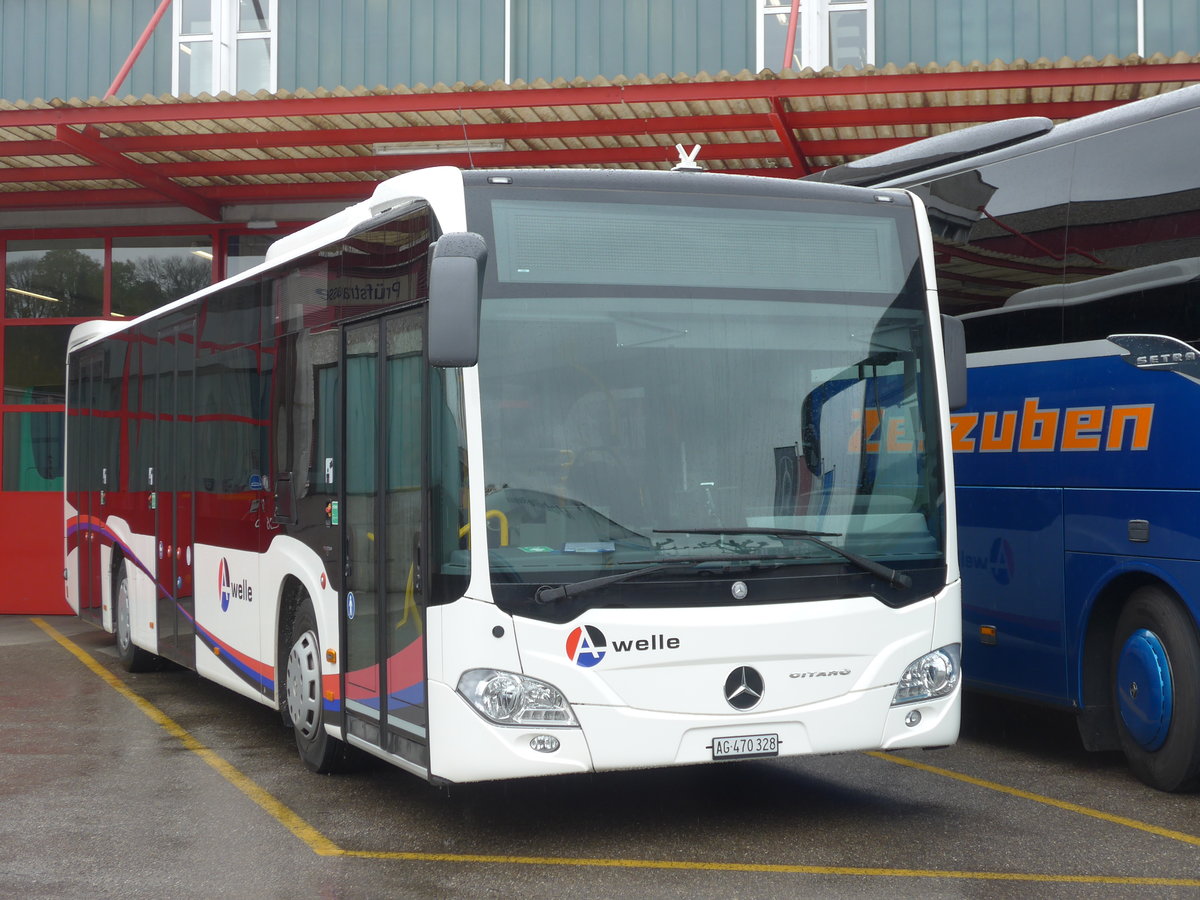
x,y
69,48
1172,26
569,38
66,48
74,48
389,42
925,31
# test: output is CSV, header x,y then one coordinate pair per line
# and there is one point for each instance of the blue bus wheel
x,y
1155,676
1144,693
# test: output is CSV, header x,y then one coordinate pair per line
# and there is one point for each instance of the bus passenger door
x,y
86,482
383,606
172,491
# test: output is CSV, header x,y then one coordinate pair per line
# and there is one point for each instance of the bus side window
x,y
1135,252
1001,240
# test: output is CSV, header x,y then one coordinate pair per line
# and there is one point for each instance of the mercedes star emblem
x,y
744,688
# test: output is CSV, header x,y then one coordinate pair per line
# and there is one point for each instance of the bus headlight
x,y
507,698
934,675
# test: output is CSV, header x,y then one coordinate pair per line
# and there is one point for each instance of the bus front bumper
x,y
466,747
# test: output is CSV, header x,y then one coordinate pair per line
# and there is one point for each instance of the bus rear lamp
x,y
507,698
934,675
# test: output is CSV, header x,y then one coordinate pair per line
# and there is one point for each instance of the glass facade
x,y
54,279
53,284
148,272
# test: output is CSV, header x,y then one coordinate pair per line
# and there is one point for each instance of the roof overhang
x,y
208,152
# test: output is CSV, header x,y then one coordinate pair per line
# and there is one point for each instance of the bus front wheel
x,y
1155,674
132,657
305,697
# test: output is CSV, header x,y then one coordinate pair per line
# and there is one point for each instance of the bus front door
x,y
172,491
383,603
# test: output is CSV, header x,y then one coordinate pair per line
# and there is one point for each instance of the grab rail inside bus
x,y
491,514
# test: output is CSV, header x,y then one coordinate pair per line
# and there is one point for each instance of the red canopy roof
x,y
205,152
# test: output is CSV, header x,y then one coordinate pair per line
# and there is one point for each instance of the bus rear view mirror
x,y
455,291
954,343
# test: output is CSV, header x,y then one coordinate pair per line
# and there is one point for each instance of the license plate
x,y
745,746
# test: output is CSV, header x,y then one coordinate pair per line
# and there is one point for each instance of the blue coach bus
x,y
1071,254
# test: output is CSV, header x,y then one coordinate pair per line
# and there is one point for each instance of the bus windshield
x,y
693,382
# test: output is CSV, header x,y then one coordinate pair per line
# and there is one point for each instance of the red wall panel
x,y
31,553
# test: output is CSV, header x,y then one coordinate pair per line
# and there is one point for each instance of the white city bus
x,y
499,474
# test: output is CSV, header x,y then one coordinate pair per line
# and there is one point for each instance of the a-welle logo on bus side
x,y
229,590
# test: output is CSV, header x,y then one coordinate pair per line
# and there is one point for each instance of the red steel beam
x,y
787,137
140,174
139,197
834,86
232,168
725,124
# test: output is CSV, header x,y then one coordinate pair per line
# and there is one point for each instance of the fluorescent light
x,y
203,254
411,148
262,223
32,294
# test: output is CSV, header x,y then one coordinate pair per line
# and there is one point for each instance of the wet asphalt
x,y
163,785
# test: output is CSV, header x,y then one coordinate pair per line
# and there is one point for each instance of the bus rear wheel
x,y
1155,673
132,657
305,697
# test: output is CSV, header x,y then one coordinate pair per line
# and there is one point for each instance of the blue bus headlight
x,y
934,675
507,698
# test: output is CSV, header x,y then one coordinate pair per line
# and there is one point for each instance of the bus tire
x,y
132,657
1155,676
305,701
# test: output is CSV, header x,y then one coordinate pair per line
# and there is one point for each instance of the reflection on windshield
x,y
608,420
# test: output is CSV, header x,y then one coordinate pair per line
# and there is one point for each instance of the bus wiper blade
x,y
893,577
546,594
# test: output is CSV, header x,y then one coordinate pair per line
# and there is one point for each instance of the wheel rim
x,y
124,631
304,685
1145,695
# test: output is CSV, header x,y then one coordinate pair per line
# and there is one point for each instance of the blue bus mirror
x,y
954,344
455,292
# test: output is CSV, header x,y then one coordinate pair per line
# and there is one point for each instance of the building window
x,y
54,279
245,251
835,33
35,363
33,451
149,272
225,45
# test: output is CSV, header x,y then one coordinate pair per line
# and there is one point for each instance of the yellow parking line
x,y
322,846
285,816
781,868
1040,798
